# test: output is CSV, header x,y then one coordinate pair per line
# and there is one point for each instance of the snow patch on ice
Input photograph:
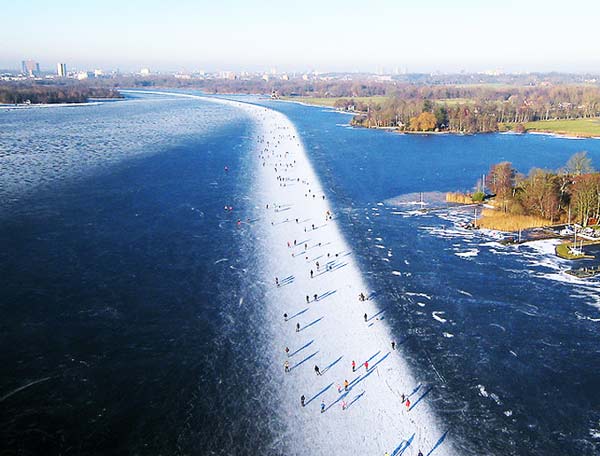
x,y
482,391
436,316
468,254
423,295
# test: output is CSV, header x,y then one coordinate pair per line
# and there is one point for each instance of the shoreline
x,y
557,134
90,102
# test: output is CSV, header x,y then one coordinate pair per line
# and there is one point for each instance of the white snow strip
x,y
436,316
423,295
468,253
375,420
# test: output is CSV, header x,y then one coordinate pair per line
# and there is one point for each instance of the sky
x,y
322,35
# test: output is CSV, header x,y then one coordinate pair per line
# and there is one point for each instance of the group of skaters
x,y
345,386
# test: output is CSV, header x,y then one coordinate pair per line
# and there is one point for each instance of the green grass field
x,y
331,101
574,127
455,101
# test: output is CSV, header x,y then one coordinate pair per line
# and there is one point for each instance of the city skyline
x,y
333,37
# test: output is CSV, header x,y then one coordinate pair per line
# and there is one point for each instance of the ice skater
x,y
286,366
365,317
353,365
346,384
316,297
407,404
307,299
367,366
285,317
311,273
393,345
287,351
317,370
322,406
343,405
297,327
277,281
419,453
302,399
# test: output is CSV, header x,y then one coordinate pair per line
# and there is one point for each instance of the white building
x,y
145,71
61,70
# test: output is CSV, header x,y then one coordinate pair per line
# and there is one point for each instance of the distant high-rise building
x,y
30,68
145,71
61,70
85,75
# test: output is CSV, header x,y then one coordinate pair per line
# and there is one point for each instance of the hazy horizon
x,y
349,36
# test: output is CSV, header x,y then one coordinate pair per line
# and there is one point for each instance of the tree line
x,y
27,92
479,109
572,192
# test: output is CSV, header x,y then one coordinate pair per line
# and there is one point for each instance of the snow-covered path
x,y
333,331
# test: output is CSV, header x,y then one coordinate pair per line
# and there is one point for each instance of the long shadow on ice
x,y
340,397
439,442
355,399
372,356
298,313
314,322
376,315
417,388
326,294
303,361
318,394
421,398
332,364
301,348
400,449
287,281
378,362
332,268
